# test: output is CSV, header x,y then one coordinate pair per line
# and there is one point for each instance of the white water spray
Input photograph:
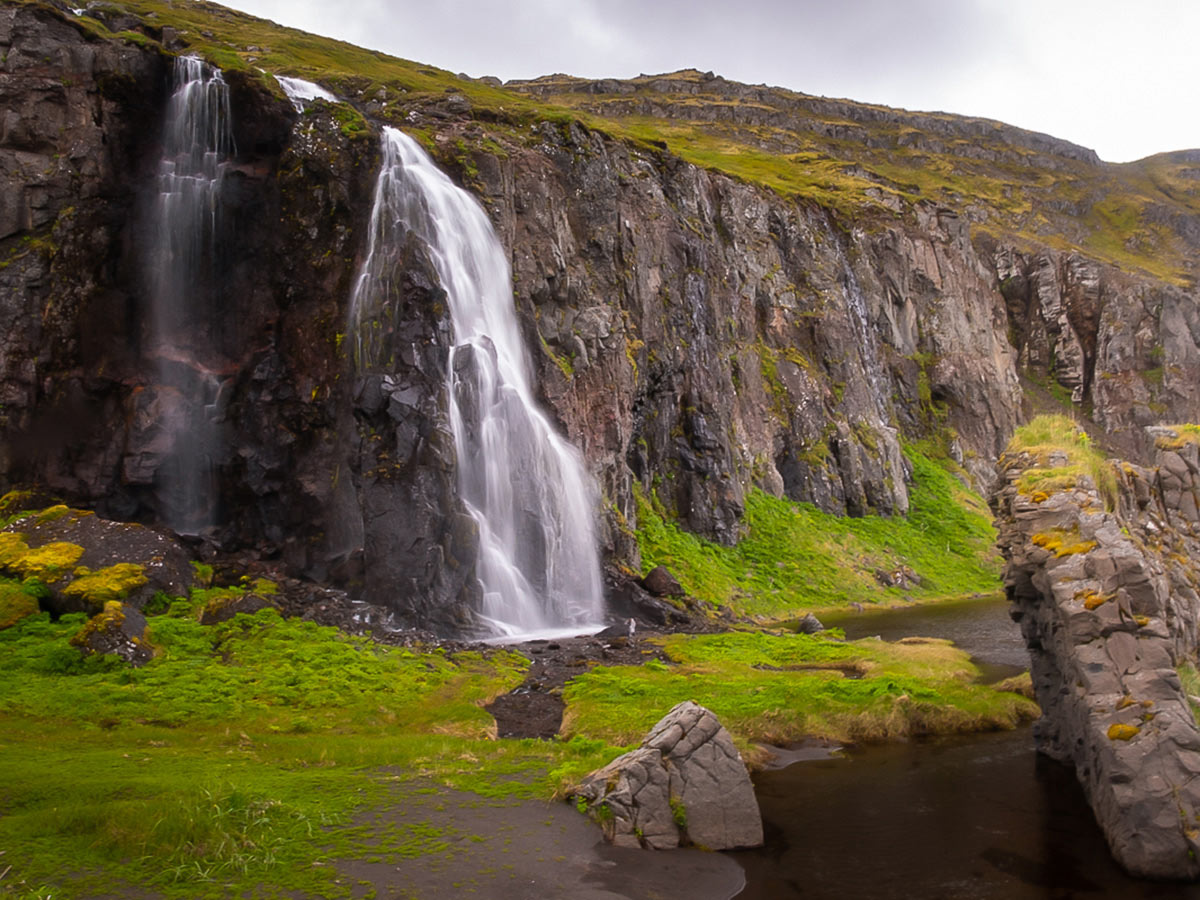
x,y
302,92
197,143
524,485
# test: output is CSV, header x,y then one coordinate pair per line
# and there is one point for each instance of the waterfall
x,y
524,485
300,92
181,279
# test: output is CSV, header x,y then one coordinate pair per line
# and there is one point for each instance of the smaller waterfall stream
x,y
524,485
181,262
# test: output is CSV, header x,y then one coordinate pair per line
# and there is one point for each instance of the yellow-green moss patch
x,y
47,563
1119,731
110,583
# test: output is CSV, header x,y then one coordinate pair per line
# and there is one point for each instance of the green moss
x,y
15,603
796,557
350,121
114,582
236,761
47,563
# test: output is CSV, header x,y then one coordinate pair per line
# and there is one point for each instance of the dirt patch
x,y
534,709
469,846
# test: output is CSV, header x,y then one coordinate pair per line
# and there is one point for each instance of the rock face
x,y
695,336
686,784
1108,604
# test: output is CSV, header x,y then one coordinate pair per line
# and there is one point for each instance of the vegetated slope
x,y
1022,186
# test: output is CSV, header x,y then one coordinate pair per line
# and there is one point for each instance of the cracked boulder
x,y
685,784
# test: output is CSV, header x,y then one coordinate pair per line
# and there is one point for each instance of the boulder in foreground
x,y
686,784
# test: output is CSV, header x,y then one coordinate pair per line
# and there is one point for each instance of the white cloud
x,y
1113,75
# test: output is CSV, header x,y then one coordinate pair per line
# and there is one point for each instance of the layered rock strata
x,y
1108,603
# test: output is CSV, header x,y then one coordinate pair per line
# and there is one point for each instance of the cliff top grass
x,y
1026,188
1184,434
860,159
797,558
1063,452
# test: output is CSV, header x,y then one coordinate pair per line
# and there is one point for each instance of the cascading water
x,y
524,485
301,92
181,264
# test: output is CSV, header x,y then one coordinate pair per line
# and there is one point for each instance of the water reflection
x,y
976,817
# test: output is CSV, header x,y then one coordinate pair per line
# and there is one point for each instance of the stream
x,y
977,817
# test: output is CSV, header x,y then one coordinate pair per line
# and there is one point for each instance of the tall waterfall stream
x,y
525,486
182,255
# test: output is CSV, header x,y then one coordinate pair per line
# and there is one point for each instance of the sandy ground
x,y
505,850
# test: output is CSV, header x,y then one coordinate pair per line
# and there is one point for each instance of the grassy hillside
x,y
796,558
862,160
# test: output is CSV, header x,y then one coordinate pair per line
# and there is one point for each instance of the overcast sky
x,y
1119,76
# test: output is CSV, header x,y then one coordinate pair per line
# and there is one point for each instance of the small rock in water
x,y
810,624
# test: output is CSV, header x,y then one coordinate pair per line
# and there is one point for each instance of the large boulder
x,y
685,784
80,561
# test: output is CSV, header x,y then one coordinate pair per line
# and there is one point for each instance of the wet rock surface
x,y
685,784
1108,606
534,709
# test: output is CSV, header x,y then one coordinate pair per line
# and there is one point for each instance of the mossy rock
x,y
116,630
110,583
223,604
83,560
15,502
15,604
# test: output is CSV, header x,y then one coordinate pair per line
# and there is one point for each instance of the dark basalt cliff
x,y
696,335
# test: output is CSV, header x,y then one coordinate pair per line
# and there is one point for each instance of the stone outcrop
x,y
1108,603
685,784
81,560
117,630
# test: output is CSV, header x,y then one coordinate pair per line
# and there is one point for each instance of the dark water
x,y
978,817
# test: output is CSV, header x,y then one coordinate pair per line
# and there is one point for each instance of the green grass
x,y
779,688
1184,434
241,755
1047,436
797,558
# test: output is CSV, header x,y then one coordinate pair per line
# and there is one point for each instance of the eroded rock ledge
x,y
1107,602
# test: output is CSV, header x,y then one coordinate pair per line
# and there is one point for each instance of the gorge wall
x,y
1107,593
697,336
